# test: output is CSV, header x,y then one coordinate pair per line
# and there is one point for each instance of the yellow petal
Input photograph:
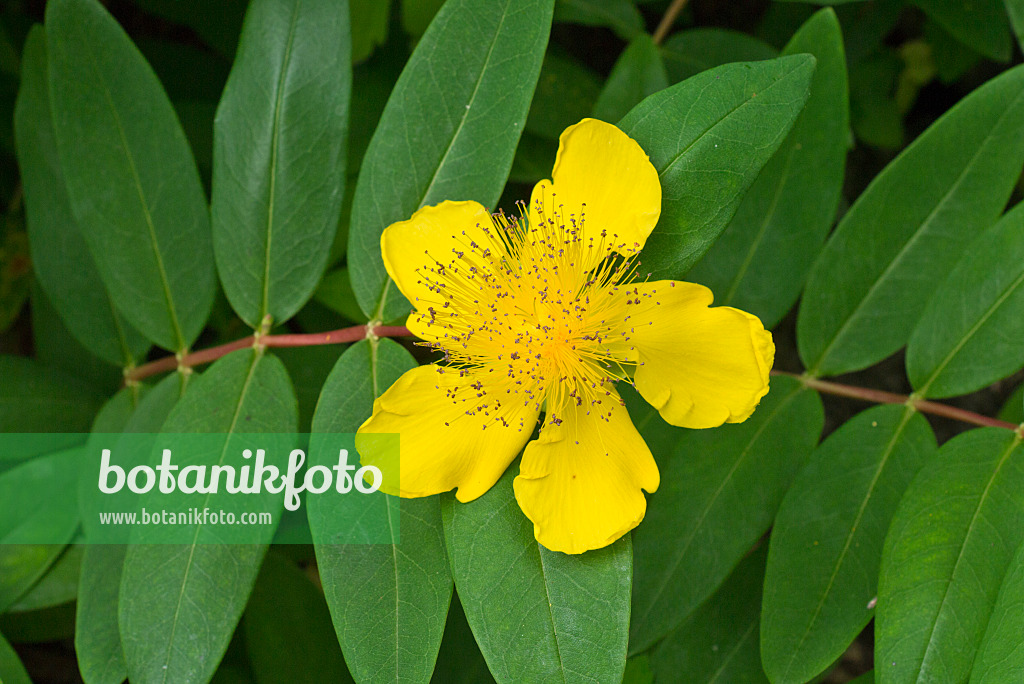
x,y
580,481
604,175
699,366
452,433
434,235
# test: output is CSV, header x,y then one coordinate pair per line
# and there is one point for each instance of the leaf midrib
x,y
982,320
886,454
451,143
756,242
1014,443
921,230
192,547
275,140
667,576
746,102
154,243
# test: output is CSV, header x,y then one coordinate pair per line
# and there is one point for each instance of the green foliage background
x,y
177,174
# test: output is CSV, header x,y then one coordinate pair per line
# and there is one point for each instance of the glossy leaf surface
x,y
708,137
279,155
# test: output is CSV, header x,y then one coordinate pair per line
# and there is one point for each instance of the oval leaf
x,y
639,72
690,52
97,641
905,233
972,331
981,24
718,644
708,137
132,181
719,492
97,637
449,130
620,16
288,633
63,265
38,505
947,551
11,669
279,155
179,604
827,539
1001,657
790,207
396,636
538,615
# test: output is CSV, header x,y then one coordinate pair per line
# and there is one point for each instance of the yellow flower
x,y
542,315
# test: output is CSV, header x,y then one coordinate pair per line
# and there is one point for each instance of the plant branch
x,y
667,20
361,332
882,397
353,334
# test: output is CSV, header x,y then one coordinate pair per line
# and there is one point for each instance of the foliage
x,y
181,175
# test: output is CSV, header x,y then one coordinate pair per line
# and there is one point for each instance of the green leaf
x,y
64,268
827,540
1013,408
972,331
11,669
38,504
639,72
396,636
947,551
690,52
981,24
538,615
279,155
97,641
179,604
620,16
287,628
719,493
1000,657
97,637
1015,10
450,129
566,92
131,178
708,137
718,643
905,233
56,348
58,587
35,398
792,204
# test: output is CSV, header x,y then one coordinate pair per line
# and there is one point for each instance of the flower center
x,y
537,314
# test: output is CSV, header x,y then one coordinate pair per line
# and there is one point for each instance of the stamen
x,y
533,315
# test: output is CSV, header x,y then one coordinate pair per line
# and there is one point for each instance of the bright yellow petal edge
x,y
532,318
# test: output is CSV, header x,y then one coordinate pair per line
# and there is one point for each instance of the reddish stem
x,y
359,332
169,363
882,397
